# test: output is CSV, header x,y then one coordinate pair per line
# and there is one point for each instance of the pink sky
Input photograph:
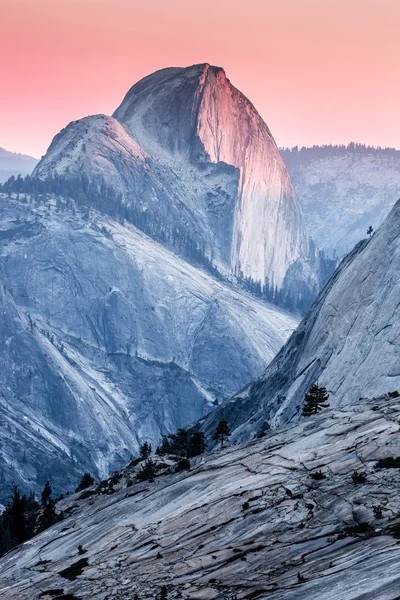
x,y
318,71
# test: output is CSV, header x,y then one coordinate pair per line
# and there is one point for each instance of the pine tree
x,y
46,494
164,447
179,442
163,595
148,471
86,481
48,516
315,400
197,444
145,450
222,432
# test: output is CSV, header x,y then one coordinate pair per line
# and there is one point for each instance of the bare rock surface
x,y
109,339
247,521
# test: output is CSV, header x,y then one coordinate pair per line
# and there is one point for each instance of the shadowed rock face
x,y
108,339
246,520
348,342
197,210
187,149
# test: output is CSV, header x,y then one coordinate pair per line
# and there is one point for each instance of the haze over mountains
x,y
343,190
15,164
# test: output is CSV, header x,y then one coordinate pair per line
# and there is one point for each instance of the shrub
x,y
245,505
317,475
86,481
377,512
148,471
359,529
182,465
358,477
394,394
87,494
394,530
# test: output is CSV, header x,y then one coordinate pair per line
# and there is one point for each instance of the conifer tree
x,y
197,444
145,450
48,516
164,447
222,432
148,471
163,595
46,494
86,481
315,400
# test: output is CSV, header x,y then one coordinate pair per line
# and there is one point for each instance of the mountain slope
x,y
15,164
108,339
247,522
195,167
344,190
349,341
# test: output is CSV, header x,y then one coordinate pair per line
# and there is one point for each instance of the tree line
x,y
97,194
292,155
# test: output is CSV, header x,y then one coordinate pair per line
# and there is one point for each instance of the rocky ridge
x,y
348,341
344,190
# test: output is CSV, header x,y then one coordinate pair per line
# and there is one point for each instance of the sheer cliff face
x,y
349,341
183,117
269,234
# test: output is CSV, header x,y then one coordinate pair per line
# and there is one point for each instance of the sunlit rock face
x,y
348,342
191,116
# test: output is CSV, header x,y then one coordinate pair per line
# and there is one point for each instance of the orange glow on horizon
x,y
318,71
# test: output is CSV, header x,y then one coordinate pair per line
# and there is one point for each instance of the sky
x,y
318,71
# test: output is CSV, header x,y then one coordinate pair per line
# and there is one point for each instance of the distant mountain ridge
x,y
343,190
13,164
